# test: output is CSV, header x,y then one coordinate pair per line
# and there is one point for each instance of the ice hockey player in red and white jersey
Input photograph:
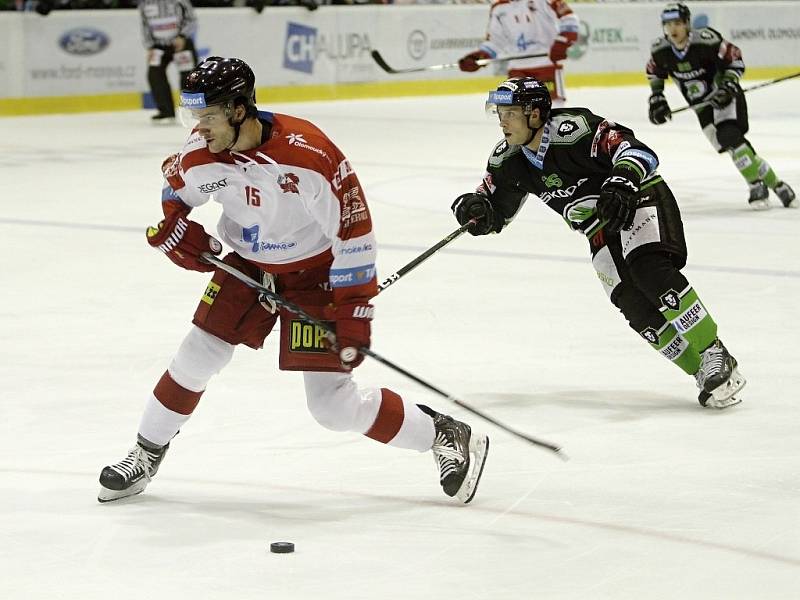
x,y
529,27
296,217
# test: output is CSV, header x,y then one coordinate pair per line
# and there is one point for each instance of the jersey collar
x,y
537,158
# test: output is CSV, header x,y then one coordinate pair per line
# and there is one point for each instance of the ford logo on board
x,y
83,41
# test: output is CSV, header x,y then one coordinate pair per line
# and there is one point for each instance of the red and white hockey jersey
x,y
527,27
292,203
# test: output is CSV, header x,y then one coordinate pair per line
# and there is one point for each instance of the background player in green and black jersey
x,y
603,182
707,69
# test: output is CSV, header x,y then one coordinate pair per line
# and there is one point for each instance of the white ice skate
x,y
460,456
132,474
718,377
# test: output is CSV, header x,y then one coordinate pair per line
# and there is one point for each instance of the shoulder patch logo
x,y
500,148
567,127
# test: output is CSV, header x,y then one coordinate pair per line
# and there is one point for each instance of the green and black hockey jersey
x,y
698,67
578,152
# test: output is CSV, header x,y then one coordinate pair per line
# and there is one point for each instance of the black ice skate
x,y
759,196
460,456
786,194
132,474
718,378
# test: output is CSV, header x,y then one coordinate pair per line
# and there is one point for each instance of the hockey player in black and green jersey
x,y
603,182
707,69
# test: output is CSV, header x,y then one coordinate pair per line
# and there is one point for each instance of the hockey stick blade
x,y
331,335
758,86
381,62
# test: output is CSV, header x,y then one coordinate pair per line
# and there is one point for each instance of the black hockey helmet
x,y
219,80
527,92
676,11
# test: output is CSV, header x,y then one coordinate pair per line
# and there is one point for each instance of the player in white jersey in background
x,y
529,27
168,27
296,217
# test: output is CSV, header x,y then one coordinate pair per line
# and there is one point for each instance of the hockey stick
x,y
747,89
331,335
424,256
376,56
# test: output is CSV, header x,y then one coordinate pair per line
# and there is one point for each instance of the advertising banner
x,y
73,53
82,52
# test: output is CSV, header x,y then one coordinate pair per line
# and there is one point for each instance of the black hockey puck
x,y
281,547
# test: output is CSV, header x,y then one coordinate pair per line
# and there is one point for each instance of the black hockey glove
x,y
659,112
477,206
619,197
724,94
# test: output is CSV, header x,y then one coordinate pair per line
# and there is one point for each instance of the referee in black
x,y
167,29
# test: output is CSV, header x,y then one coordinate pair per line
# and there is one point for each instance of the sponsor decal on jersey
x,y
694,74
354,209
352,276
670,300
213,186
552,180
360,248
690,317
651,335
288,183
250,235
343,171
84,41
297,140
567,192
305,337
211,293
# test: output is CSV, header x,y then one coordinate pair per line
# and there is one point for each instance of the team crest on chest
x,y
288,183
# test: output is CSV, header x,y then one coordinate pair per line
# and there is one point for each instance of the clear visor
x,y
504,113
208,118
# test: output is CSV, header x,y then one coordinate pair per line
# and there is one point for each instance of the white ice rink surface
x,y
661,498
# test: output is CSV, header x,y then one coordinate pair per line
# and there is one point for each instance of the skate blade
x,y
759,204
725,395
107,495
479,449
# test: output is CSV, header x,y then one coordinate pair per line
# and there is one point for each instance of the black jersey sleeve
x,y
499,185
656,69
616,147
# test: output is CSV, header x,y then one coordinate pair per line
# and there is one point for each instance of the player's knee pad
x,y
654,274
200,356
633,306
729,135
336,403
